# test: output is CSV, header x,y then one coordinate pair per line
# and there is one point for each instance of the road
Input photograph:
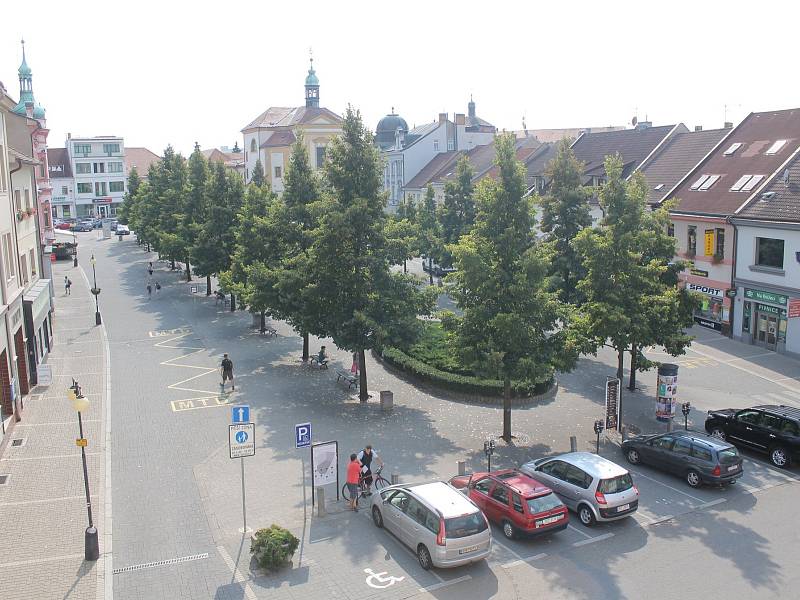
x,y
177,496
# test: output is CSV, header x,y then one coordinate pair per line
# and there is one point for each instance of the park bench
x,y
350,378
269,331
314,360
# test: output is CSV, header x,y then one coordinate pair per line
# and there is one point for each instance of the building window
x,y
2,167
32,260
671,230
67,212
83,168
83,148
42,172
27,199
704,182
84,188
100,188
23,269
115,167
253,145
769,253
63,190
320,156
11,269
719,250
116,186
110,148
99,167
435,145
17,201
691,241
277,172
450,145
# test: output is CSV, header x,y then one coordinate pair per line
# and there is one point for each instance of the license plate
x,y
549,520
468,550
733,468
623,508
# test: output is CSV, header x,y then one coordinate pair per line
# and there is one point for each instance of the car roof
x,y
595,465
780,410
520,482
447,500
697,436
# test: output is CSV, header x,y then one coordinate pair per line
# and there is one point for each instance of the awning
x,y
38,297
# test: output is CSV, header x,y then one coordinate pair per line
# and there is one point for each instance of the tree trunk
x,y
188,271
362,381
634,365
233,303
208,285
620,364
172,264
305,346
263,321
507,409
405,266
430,269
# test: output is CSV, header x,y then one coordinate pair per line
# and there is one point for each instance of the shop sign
x,y
709,242
102,200
708,323
773,310
704,289
794,308
765,296
698,272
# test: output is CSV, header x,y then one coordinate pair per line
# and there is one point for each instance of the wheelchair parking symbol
x,y
381,580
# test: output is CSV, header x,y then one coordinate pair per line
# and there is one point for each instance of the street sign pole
x,y
244,503
241,443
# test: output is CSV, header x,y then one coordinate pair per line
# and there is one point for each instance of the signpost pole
x,y
244,509
305,501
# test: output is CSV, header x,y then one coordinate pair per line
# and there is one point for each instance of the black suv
x,y
771,429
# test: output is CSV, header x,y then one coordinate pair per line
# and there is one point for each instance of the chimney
x,y
698,128
460,119
728,125
442,117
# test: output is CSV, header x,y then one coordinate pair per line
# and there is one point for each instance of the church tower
x,y
312,87
26,89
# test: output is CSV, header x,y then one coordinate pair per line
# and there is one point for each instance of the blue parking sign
x,y
302,435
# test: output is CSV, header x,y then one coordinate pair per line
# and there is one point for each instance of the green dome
x,y
312,79
24,69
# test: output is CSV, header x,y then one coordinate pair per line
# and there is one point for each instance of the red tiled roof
x,y
58,161
756,133
141,158
443,160
279,116
279,138
780,199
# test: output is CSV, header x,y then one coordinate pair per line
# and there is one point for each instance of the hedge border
x,y
486,389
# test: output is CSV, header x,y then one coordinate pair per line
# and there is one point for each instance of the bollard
x,y
462,467
387,400
395,478
320,502
622,432
573,443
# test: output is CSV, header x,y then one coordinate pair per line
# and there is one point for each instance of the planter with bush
x,y
273,547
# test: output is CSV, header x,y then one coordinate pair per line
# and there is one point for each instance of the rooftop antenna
x,y
524,127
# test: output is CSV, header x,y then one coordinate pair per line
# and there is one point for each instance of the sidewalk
x,y
43,504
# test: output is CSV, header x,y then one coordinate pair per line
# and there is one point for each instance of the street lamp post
x,y
81,404
96,291
75,255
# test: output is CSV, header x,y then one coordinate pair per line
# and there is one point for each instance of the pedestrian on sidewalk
x,y
149,290
158,288
67,286
353,472
354,366
150,269
226,368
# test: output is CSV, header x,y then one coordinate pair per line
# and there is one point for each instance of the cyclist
x,y
365,458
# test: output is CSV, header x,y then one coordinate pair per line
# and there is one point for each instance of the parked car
x,y
517,502
443,527
772,429
97,223
697,457
82,226
123,230
64,225
594,487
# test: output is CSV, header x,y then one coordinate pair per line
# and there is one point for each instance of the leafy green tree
x,y
360,303
407,209
429,236
127,212
258,174
565,212
456,215
512,327
402,236
193,216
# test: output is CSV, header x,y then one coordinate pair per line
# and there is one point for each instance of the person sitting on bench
x,y
322,357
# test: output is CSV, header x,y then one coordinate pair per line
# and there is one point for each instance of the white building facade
x,y
98,170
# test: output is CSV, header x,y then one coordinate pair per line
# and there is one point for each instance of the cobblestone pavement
x,y
44,505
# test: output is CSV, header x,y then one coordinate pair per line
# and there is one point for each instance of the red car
x,y
517,502
64,225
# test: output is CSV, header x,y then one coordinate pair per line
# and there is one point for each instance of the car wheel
x,y
508,530
693,478
424,557
377,517
779,457
717,433
586,515
633,457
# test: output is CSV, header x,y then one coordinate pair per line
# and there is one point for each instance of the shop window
x,y
719,249
769,253
748,311
691,241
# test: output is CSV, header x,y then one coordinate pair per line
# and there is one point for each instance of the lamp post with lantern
x,y
81,404
96,292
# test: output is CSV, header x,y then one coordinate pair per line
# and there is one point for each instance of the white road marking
x,y
441,584
710,503
48,457
727,362
36,561
605,536
237,575
55,423
46,500
583,533
523,561
511,550
674,489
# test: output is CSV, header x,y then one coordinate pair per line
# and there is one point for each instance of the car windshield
x,y
615,485
728,455
543,503
465,525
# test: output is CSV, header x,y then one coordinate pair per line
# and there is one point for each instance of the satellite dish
x,y
634,121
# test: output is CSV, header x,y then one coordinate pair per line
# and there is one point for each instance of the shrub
x,y
273,547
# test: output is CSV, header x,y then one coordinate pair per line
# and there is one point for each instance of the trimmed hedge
x,y
457,382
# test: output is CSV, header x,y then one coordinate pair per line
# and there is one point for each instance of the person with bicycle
x,y
365,457
353,472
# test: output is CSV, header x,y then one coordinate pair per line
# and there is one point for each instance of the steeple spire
x,y
312,85
26,89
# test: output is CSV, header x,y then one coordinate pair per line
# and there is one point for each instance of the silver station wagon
x,y
594,487
442,526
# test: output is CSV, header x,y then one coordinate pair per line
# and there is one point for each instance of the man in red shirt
x,y
353,471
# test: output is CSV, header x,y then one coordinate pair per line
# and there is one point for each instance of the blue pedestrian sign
x,y
240,414
302,435
241,437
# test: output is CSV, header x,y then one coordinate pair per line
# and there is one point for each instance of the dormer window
x,y
746,183
733,148
775,148
659,187
704,182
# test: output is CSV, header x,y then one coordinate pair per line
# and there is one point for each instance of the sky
x,y
179,72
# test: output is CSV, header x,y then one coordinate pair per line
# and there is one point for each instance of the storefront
x,y
38,325
714,308
765,318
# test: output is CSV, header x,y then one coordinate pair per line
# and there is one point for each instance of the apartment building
x,y
98,170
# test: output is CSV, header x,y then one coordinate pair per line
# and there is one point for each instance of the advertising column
x,y
667,392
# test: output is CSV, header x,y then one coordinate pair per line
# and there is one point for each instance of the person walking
x,y
158,288
149,290
353,472
226,369
354,366
67,286
150,269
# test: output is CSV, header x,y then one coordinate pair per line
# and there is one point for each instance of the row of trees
x,y
319,256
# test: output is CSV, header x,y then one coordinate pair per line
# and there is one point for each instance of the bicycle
x,y
378,482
